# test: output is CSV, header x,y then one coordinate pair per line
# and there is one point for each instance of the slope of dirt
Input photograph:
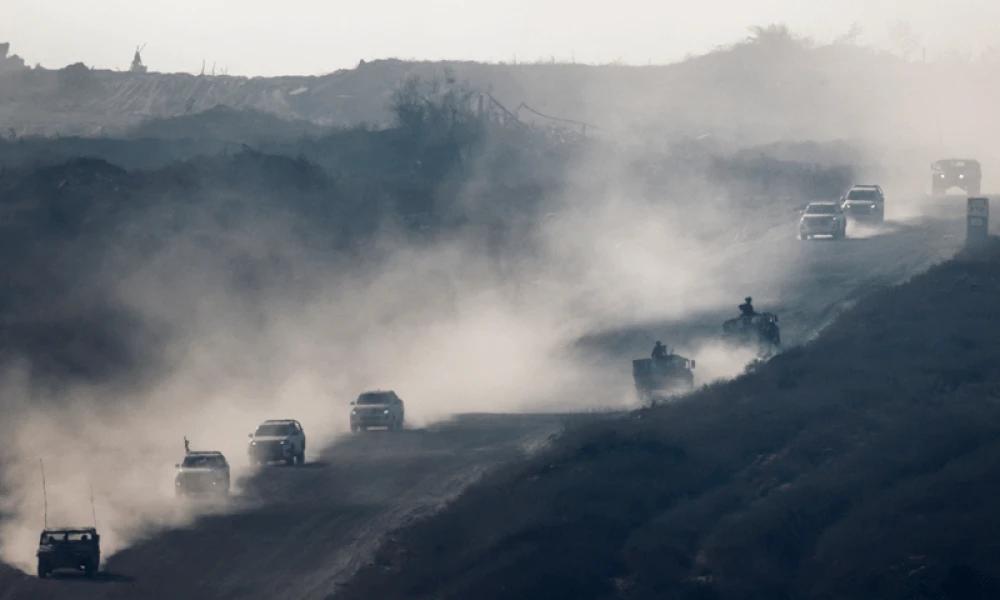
x,y
861,465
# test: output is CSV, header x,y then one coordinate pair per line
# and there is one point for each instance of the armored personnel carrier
x,y
757,330
77,548
658,378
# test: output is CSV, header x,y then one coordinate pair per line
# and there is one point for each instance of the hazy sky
x,y
268,37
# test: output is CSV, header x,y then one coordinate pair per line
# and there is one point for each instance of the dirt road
x,y
301,530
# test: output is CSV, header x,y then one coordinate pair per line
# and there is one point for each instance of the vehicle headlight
x,y
253,442
283,442
385,412
961,175
941,175
354,411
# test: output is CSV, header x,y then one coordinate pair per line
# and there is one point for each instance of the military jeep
x,y
77,548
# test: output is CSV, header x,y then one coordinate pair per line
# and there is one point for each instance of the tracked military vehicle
x,y
758,330
658,378
77,548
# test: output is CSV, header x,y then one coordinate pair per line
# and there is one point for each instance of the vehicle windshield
x,y
867,195
821,209
275,429
211,461
374,398
54,537
957,165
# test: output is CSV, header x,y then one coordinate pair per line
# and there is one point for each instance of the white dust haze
x,y
445,324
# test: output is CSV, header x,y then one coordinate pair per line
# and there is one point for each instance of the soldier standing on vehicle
x,y
659,351
746,309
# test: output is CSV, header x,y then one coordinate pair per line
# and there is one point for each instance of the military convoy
x,y
76,548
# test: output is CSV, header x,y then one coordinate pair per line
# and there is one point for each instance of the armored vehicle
x,y
277,440
822,218
965,174
77,548
657,378
377,409
864,203
202,473
758,330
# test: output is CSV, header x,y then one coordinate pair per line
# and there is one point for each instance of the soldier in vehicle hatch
x,y
659,351
746,309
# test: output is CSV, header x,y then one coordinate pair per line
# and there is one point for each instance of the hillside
x,y
861,465
773,87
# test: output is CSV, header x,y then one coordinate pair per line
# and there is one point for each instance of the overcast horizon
x,y
317,38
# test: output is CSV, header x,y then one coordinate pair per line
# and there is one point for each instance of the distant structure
x,y
137,66
9,63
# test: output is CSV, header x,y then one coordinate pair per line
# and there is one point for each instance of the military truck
x,y
658,378
758,330
77,548
202,473
965,174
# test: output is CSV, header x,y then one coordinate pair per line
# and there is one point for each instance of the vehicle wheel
x,y
301,458
354,428
43,570
90,569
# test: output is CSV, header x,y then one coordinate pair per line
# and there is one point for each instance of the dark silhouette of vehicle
x,y
965,174
823,218
202,473
377,409
759,331
278,440
660,377
77,548
864,203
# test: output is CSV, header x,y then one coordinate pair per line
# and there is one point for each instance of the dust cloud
x,y
449,326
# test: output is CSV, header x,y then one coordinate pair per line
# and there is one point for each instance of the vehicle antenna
x,y
93,510
45,497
